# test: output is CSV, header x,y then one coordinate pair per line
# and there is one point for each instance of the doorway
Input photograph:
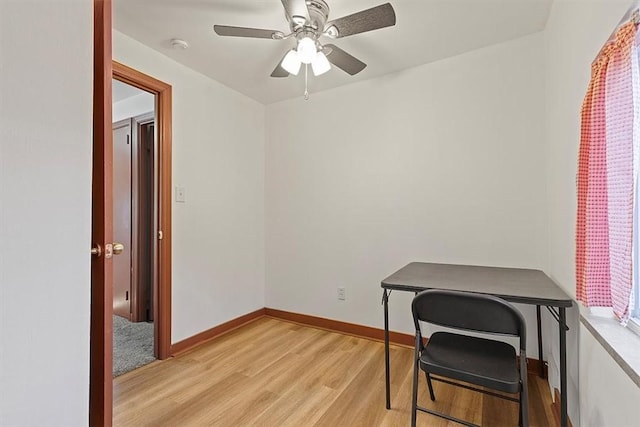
x,y
159,224
134,210
161,234
102,249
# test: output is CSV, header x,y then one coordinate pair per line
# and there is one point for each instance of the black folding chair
x,y
480,361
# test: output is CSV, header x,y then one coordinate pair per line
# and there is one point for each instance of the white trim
x,y
634,325
620,342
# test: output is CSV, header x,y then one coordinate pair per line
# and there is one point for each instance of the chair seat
x,y
479,361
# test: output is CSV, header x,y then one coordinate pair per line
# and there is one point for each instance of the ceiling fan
x,y
308,22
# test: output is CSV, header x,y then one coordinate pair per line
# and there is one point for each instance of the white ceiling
x,y
123,91
425,31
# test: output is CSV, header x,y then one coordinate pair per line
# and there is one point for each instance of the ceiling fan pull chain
x,y
306,77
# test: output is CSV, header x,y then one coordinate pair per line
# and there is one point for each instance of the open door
x,y
103,247
101,347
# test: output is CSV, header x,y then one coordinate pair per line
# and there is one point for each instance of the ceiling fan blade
x,y
224,30
296,9
343,60
279,71
367,20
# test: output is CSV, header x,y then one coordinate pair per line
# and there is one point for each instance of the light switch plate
x,y
180,195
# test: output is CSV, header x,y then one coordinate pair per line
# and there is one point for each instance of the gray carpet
x,y
132,345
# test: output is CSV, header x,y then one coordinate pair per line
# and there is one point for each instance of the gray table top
x,y
513,284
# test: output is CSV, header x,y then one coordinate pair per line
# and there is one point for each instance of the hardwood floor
x,y
276,373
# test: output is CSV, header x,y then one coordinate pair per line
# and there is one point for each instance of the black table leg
x,y
385,302
540,341
562,324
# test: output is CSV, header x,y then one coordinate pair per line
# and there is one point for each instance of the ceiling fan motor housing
x,y
318,15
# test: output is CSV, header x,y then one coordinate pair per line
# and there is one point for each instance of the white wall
x,y
608,397
46,104
442,162
218,157
132,107
576,31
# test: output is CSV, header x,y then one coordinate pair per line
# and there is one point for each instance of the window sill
x,y
622,344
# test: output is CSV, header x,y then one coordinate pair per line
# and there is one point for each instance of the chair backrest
x,y
469,311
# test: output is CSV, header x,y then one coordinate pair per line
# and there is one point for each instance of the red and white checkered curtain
x,y
606,177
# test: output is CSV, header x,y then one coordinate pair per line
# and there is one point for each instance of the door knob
x,y
118,248
96,250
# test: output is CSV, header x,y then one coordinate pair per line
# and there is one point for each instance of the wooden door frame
x,y
101,329
162,291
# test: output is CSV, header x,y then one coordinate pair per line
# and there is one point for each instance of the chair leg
x,y
414,397
524,391
520,408
433,396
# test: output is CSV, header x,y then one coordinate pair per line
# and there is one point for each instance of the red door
x,y
101,348
122,187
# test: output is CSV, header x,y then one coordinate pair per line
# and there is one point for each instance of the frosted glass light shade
x,y
307,50
320,64
291,62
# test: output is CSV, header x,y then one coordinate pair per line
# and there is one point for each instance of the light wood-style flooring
x,y
275,373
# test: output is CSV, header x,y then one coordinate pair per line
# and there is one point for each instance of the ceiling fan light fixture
x,y
320,64
309,21
307,50
291,62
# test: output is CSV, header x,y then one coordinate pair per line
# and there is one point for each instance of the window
x,y
634,321
607,247
608,188
634,305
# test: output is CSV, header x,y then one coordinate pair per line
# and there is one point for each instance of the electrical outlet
x,y
341,294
